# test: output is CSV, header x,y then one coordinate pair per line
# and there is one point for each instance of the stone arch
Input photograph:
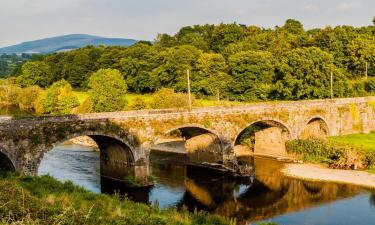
x,y
6,164
200,144
315,126
118,157
266,137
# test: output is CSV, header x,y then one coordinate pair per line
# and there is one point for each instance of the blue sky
x,y
23,20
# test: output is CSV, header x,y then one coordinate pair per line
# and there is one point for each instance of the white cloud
x,y
347,6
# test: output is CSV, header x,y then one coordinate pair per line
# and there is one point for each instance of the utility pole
x,y
189,94
366,71
331,85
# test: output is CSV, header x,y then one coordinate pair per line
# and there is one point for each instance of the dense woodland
x,y
229,61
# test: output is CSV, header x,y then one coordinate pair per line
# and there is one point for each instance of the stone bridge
x,y
126,138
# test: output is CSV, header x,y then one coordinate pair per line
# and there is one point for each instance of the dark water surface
x,y
265,197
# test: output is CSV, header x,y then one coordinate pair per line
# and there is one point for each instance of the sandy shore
x,y
320,173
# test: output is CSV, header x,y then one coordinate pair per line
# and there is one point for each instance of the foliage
x,y
28,96
167,98
228,61
348,151
305,73
138,103
213,78
57,99
36,73
107,90
252,73
43,200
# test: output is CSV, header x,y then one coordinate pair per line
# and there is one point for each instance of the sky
x,y
26,20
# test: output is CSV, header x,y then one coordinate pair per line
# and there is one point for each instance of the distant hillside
x,y
64,43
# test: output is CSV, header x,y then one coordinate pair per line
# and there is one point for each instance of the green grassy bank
x,y
348,152
43,200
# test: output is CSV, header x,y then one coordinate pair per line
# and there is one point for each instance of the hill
x,y
64,43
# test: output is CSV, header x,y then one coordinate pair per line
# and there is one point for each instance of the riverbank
x,y
316,172
44,200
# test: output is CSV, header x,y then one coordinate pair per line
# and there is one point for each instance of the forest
x,y
226,61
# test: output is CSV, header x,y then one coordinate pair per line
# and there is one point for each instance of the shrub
x,y
137,104
28,96
58,99
168,98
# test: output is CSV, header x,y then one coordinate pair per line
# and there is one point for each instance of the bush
x,y
28,96
336,155
167,98
86,107
58,99
315,150
137,104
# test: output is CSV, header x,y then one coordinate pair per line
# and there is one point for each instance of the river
x,y
268,196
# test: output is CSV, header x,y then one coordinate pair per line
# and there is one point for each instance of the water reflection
x,y
265,195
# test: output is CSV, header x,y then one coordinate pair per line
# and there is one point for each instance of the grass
x,y
44,200
362,141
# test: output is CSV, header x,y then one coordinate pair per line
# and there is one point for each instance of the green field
x,y
362,141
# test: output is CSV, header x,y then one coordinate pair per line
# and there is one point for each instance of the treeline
x,y
231,61
10,64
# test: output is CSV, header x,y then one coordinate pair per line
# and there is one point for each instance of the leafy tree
x,y
57,99
293,26
305,74
225,34
140,60
252,73
107,90
28,96
172,72
9,92
361,51
213,78
165,41
87,106
36,73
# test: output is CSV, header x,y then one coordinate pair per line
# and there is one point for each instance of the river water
x,y
266,197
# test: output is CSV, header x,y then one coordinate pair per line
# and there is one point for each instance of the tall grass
x,y
44,200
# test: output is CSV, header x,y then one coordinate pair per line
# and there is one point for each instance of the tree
x,y
361,52
225,34
107,90
252,73
35,73
213,77
172,72
304,73
57,99
139,61
293,26
28,96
